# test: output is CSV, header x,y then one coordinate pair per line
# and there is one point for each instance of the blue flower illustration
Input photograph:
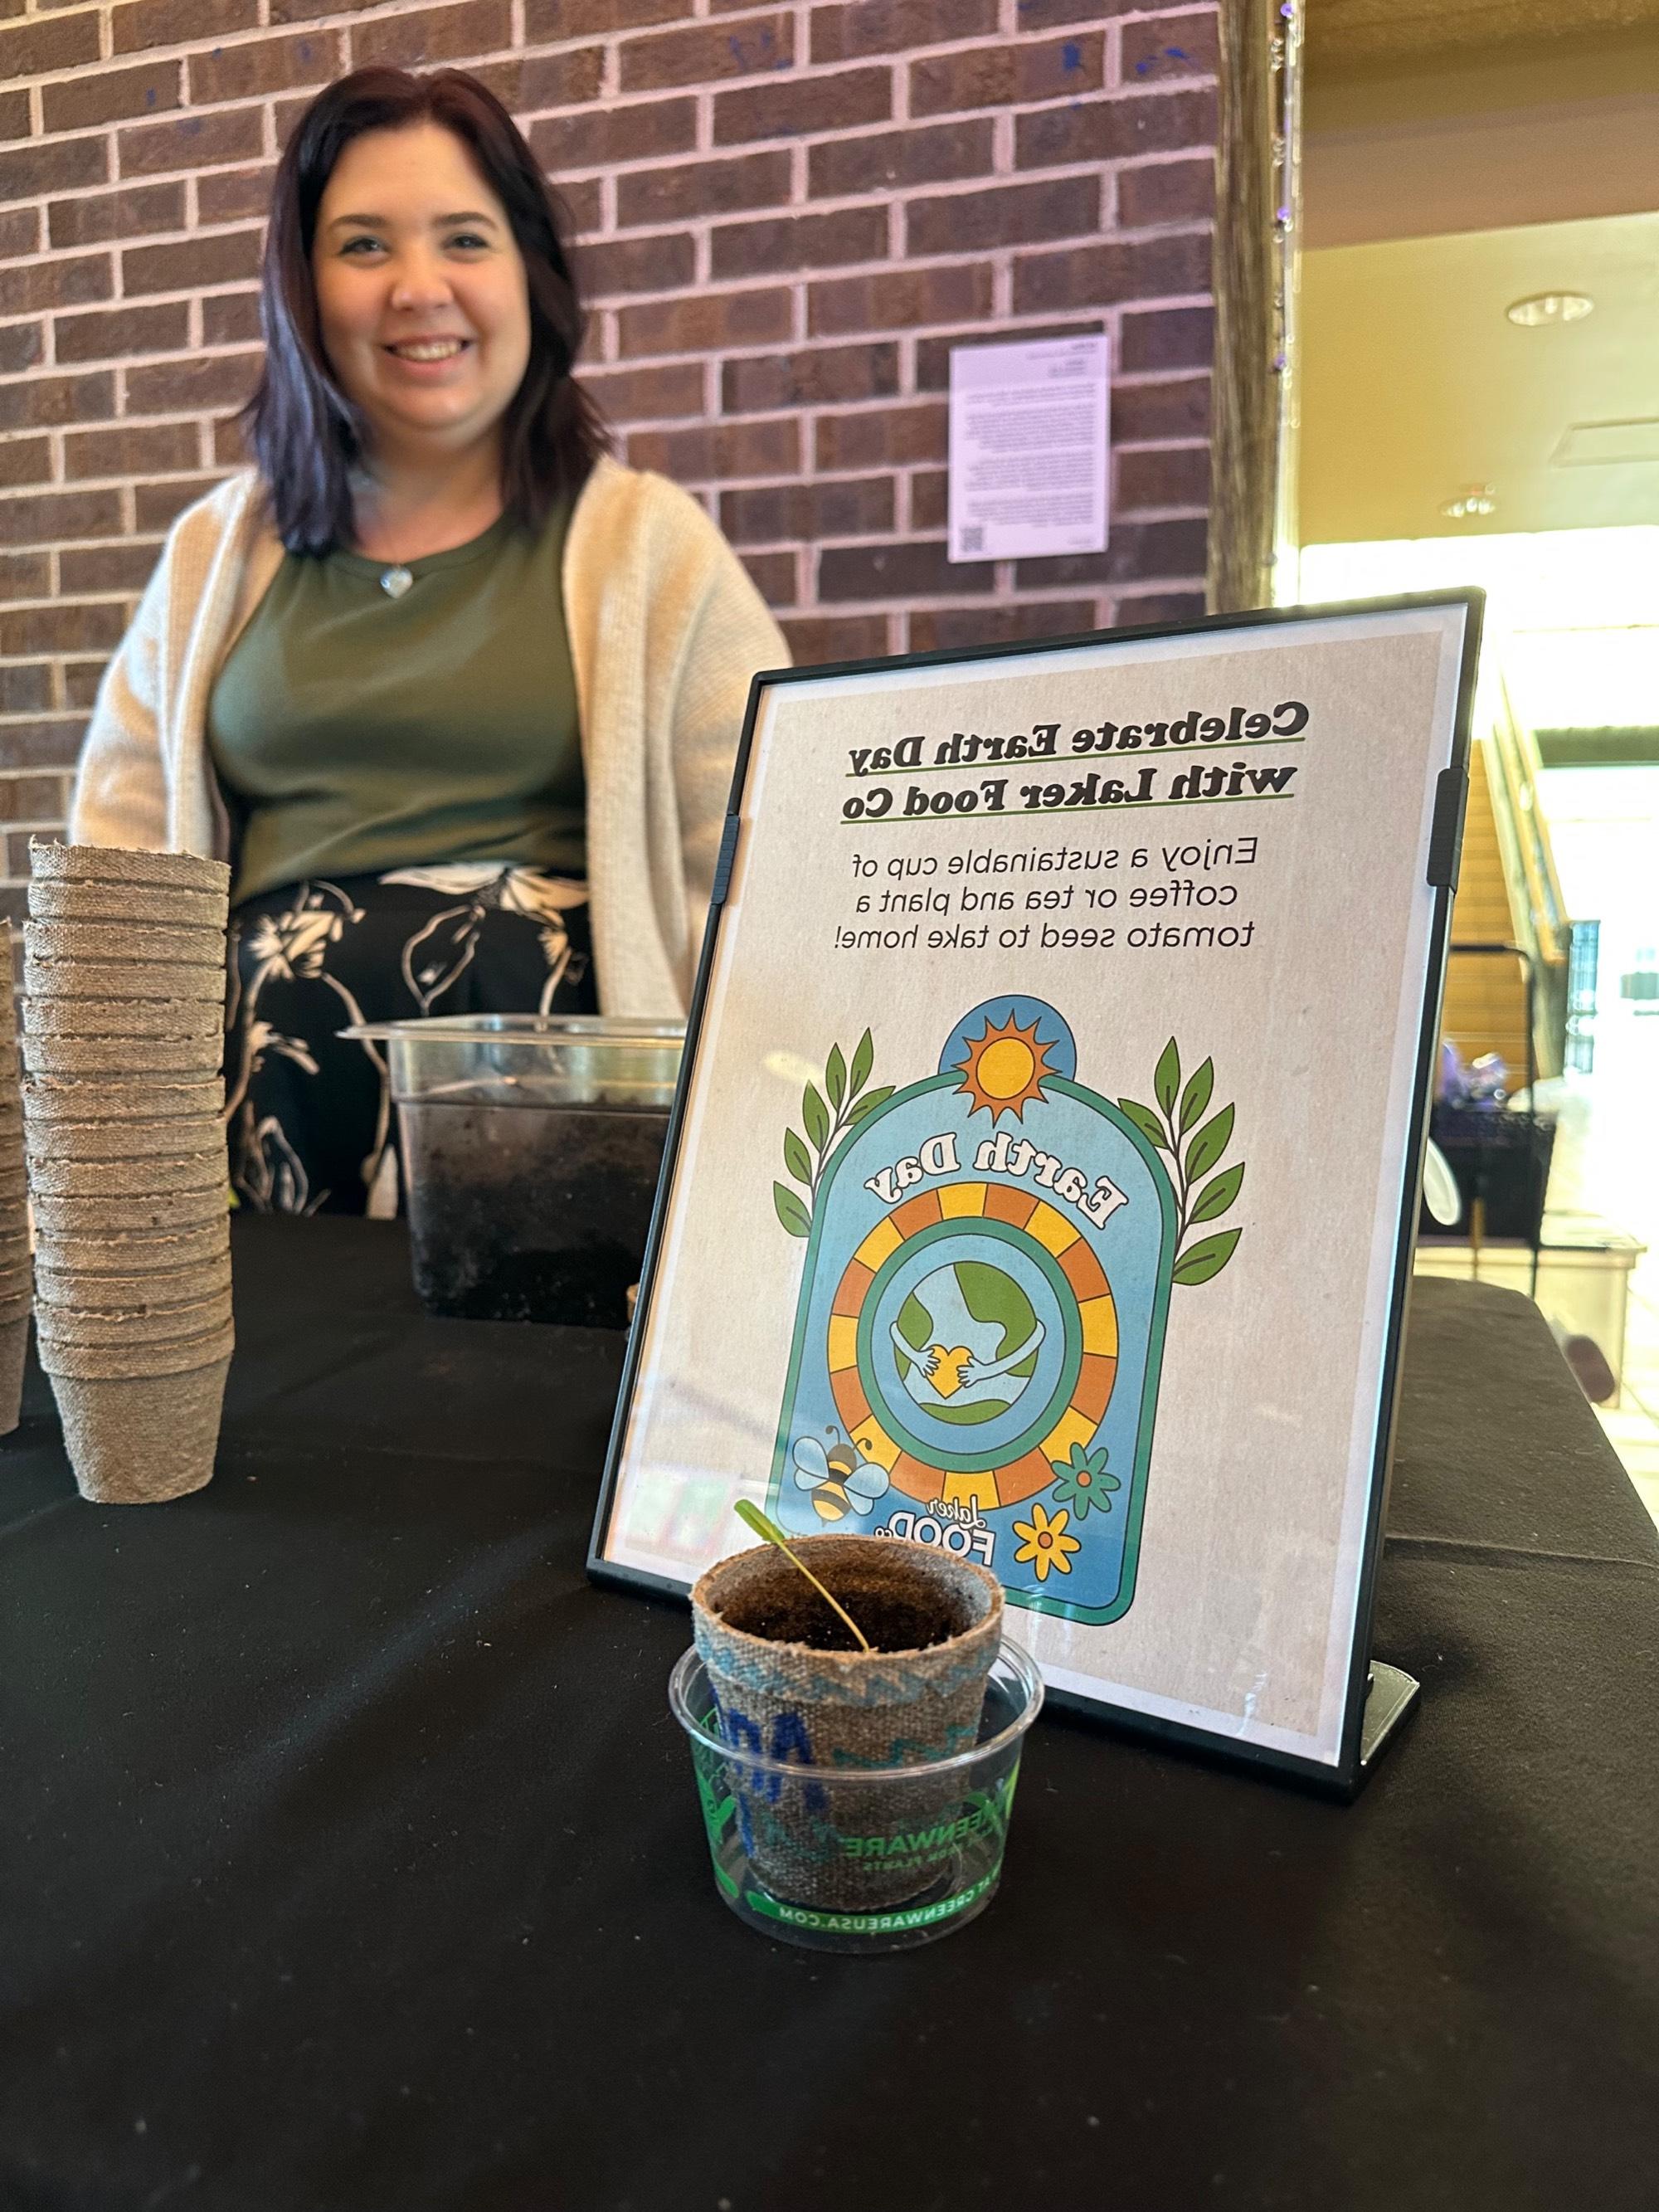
x,y
1084,1483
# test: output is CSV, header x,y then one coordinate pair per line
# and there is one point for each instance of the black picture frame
x,y
1344,1777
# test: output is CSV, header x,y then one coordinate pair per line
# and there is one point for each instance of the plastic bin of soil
x,y
532,1147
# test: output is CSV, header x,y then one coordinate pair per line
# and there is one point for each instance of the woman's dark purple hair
x,y
306,434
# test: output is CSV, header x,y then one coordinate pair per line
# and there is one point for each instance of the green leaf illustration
x,y
869,1102
1196,1097
1145,1121
1203,1260
835,1076
815,1115
796,1157
1216,1197
790,1211
1166,1078
863,1060
1209,1144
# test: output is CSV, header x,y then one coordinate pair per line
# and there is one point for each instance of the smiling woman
x,y
425,319
457,695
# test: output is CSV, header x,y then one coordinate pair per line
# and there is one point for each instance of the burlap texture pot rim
x,y
124,1059
131,1251
50,862
847,1678
124,1023
160,1213
71,1328
142,1362
124,1137
150,1175
134,1290
151,979
89,899
142,1440
123,942
92,1098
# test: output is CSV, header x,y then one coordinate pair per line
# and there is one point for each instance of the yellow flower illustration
x,y
1045,1541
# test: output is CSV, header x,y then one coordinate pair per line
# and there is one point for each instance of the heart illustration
x,y
946,1377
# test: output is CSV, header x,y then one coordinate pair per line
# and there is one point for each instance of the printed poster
x,y
1048,1147
1030,448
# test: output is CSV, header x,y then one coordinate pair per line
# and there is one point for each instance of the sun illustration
x,y
1005,1068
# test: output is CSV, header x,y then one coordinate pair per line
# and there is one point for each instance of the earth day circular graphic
x,y
958,1341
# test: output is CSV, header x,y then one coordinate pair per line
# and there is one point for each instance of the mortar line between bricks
x,y
1132,379
243,103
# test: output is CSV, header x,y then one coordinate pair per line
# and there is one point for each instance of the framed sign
x,y
1044,1171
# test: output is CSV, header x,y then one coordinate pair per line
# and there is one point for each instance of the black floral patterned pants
x,y
309,1114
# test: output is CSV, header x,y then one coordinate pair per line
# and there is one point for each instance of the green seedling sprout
x,y
752,1518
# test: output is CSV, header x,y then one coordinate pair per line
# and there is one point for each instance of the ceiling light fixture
x,y
1542,307
1474,499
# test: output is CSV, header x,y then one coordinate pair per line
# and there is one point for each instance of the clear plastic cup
x,y
930,1837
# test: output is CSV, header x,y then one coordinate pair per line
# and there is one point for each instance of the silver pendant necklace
x,y
395,580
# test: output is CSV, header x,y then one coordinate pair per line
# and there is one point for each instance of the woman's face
x,y
420,292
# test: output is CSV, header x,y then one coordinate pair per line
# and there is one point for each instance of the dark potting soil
x,y
892,1622
519,1213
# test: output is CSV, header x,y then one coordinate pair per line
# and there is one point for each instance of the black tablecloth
x,y
351,1861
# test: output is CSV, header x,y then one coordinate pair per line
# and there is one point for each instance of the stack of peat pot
x,y
14,1206
123,977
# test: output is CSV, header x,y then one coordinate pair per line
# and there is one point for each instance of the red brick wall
x,y
788,215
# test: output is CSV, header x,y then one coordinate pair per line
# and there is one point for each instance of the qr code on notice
x,y
972,536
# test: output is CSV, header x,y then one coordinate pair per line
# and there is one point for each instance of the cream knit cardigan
x,y
666,632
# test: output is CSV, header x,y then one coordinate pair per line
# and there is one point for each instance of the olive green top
x,y
353,734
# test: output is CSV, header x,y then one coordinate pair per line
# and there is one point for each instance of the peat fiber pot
x,y
14,1348
141,1439
790,1682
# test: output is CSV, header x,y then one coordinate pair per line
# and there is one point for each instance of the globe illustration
x,y
966,1342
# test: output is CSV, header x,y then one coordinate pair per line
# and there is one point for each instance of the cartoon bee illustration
x,y
841,1480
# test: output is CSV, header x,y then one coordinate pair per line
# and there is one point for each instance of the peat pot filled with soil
x,y
849,1773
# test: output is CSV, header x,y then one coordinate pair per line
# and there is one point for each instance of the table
x,y
351,1861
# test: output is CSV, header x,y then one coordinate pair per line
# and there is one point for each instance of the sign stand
x,y
1045,1174
1390,1695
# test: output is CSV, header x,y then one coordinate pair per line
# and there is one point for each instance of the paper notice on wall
x,y
1028,435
